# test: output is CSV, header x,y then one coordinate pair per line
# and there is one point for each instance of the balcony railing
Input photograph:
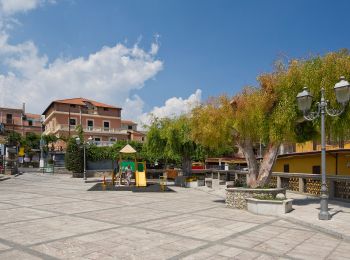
x,y
89,129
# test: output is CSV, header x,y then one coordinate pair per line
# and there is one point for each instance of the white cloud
x,y
173,107
10,7
107,75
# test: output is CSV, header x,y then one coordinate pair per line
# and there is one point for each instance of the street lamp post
x,y
84,145
304,99
42,144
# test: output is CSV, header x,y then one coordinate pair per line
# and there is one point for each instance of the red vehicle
x,y
198,166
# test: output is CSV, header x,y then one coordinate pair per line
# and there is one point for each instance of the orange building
x,y
100,121
130,128
17,120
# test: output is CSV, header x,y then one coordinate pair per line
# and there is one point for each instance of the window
x,y
286,168
9,118
90,124
112,139
106,125
30,122
105,109
316,169
130,127
72,105
72,121
97,139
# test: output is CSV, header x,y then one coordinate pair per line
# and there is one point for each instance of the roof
x,y
34,116
127,149
81,102
128,122
335,151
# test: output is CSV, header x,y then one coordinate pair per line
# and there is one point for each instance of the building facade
x,y
17,120
100,121
130,128
307,159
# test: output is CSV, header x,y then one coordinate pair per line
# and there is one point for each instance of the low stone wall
x,y
269,207
236,197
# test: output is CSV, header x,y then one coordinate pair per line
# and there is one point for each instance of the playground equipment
x,y
138,167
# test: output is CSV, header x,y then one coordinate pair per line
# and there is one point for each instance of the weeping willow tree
x,y
268,113
170,139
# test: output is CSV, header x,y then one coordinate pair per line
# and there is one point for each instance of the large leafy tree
x,y
170,139
268,113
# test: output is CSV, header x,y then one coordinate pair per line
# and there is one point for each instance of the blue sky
x,y
215,46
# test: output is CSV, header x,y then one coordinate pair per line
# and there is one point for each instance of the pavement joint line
x,y
27,220
323,230
190,212
245,221
334,250
260,251
311,235
73,236
132,225
221,240
26,249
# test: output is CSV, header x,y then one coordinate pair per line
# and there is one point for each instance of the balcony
x,y
104,143
89,129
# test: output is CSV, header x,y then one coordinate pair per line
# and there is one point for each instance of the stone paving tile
x,y
342,252
3,247
36,231
119,243
22,214
18,255
77,207
318,246
7,206
15,195
42,201
225,252
234,215
286,224
126,215
199,227
179,206
188,223
284,242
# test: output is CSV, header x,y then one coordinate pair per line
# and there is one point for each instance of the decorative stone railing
x,y
338,185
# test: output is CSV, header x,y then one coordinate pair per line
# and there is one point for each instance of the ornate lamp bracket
x,y
312,115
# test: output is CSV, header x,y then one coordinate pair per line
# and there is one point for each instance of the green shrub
x,y
74,160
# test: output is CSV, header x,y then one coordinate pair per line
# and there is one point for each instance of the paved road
x,y
55,217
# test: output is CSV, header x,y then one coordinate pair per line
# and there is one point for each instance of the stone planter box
x,y
269,207
236,197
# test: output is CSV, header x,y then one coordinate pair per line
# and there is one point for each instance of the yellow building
x,y
307,159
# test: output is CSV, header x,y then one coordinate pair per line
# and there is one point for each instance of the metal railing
x,y
89,129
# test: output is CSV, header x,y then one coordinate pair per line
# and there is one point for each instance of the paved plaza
x,y
55,217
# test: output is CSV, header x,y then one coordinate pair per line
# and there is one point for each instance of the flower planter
x,y
194,184
269,207
236,197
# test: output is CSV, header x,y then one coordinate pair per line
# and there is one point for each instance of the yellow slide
x,y
140,175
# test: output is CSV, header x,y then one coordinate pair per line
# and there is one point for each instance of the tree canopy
x,y
269,114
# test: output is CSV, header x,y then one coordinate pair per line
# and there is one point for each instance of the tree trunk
x,y
186,165
253,169
267,164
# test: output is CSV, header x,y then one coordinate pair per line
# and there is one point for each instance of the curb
x,y
318,228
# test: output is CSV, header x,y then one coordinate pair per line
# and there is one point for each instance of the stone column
x,y
301,185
